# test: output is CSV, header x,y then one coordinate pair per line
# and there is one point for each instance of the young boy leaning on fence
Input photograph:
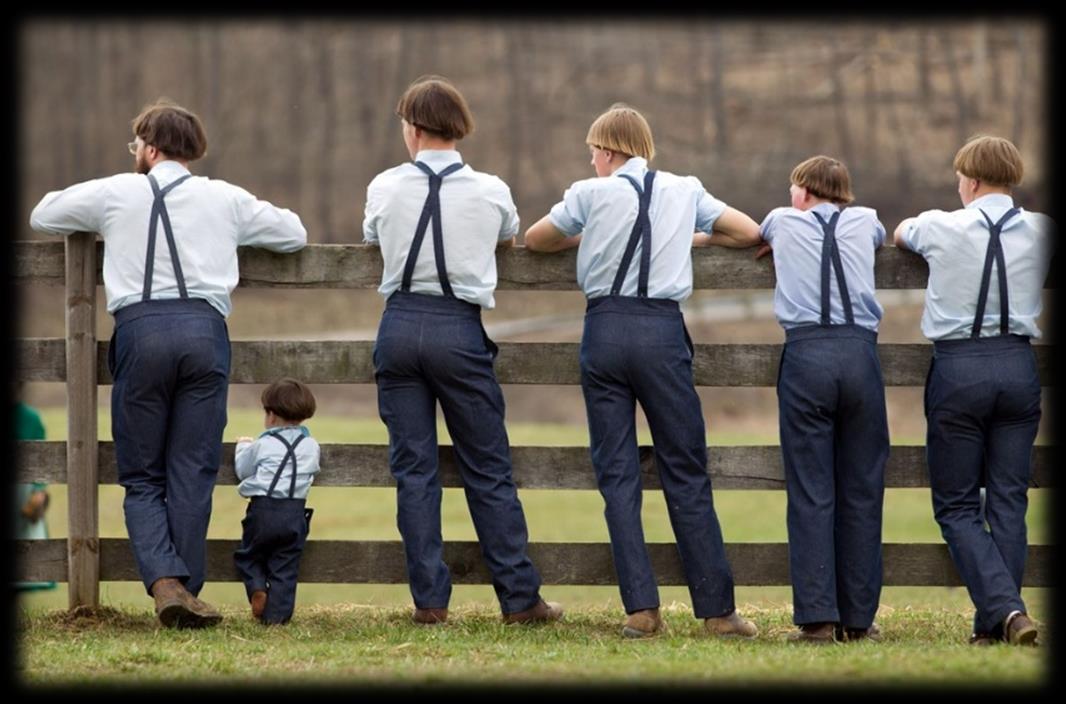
x,y
276,470
634,228
831,401
982,393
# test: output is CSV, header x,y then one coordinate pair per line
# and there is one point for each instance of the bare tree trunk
x,y
924,84
517,117
717,91
962,122
870,93
980,68
840,105
328,105
1018,123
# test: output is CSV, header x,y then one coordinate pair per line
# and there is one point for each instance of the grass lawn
x,y
360,633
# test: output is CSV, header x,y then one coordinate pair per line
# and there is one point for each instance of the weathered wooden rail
x,y
82,462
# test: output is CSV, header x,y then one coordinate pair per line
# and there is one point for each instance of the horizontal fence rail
x,y
382,562
360,266
84,559
351,362
367,465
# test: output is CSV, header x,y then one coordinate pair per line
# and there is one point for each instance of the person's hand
x,y
763,250
244,438
35,506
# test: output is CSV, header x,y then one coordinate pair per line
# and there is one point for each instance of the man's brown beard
x,y
141,164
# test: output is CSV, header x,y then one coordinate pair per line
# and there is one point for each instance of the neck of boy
x,y
618,161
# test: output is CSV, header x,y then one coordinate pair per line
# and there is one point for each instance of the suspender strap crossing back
x,y
995,251
159,211
831,256
290,453
430,212
641,233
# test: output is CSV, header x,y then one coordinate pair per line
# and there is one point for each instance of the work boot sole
x,y
175,614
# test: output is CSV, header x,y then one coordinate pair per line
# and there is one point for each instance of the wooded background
x,y
301,112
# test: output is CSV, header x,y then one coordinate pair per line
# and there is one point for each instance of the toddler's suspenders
x,y
430,211
641,233
290,453
159,210
995,250
831,255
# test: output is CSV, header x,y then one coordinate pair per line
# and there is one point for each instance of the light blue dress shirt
x,y
210,218
954,244
796,237
477,212
603,210
256,463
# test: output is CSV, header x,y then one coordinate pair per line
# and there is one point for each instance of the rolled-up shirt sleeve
x,y
262,224
372,212
708,208
914,234
766,229
244,460
571,213
78,208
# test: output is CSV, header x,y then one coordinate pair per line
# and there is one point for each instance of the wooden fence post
x,y
83,543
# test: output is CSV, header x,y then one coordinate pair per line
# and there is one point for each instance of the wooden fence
x,y
83,559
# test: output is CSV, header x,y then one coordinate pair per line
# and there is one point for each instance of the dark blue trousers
x,y
834,443
982,407
637,349
430,349
268,559
170,361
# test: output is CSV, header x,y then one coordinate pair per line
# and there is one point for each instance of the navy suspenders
x,y
430,211
290,452
995,250
159,210
641,233
831,255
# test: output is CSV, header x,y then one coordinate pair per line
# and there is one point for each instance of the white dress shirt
x,y
604,209
210,219
954,244
256,463
477,212
796,237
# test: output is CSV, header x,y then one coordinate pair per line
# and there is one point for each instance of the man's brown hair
x,y
824,177
289,399
171,129
433,104
991,159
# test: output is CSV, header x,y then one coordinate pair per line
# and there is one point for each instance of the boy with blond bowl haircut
x,y
982,393
831,402
635,348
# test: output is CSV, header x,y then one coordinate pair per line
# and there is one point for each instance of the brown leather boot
x,y
821,632
731,626
430,617
1019,629
873,634
643,624
540,612
258,600
177,608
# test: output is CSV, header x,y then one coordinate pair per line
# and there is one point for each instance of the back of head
x,y
622,129
289,399
824,177
993,160
433,104
171,129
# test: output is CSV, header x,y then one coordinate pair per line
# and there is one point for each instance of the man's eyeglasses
x,y
132,146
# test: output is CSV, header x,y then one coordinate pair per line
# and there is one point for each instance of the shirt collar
x,y
826,208
993,200
437,159
635,165
170,168
280,428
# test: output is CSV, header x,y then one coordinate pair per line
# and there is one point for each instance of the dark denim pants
x,y
430,349
170,362
834,443
637,349
982,407
272,542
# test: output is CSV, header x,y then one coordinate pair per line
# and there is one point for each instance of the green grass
x,y
360,632
355,644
